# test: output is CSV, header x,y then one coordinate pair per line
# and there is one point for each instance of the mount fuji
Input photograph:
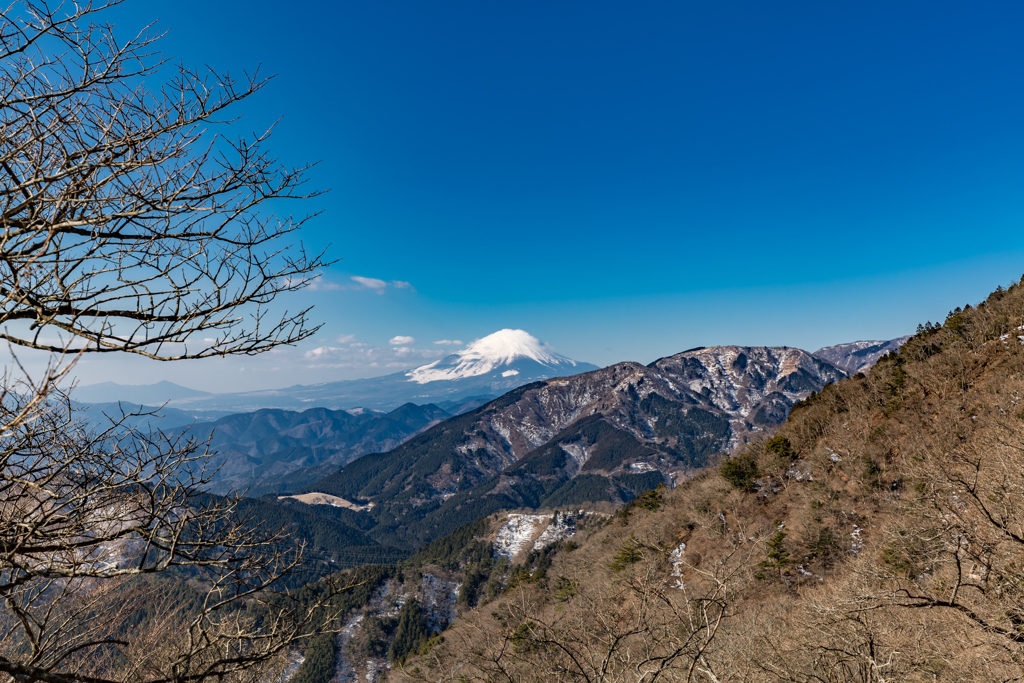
x,y
504,360
463,380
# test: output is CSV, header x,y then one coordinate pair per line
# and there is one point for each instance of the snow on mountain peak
x,y
504,347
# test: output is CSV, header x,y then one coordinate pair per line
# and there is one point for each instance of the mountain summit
x,y
508,349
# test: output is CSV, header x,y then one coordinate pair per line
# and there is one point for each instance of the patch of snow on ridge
x,y
485,355
577,452
516,533
519,531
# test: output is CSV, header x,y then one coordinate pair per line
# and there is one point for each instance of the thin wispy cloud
x,y
321,352
448,342
378,285
370,283
359,355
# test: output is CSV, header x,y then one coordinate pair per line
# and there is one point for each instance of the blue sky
x,y
625,182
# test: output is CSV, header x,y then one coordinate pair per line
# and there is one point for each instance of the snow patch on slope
x,y
520,531
502,348
517,532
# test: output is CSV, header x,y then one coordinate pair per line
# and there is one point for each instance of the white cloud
x,y
344,338
370,283
401,284
321,285
448,342
402,341
320,352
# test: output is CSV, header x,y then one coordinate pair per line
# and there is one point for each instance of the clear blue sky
x,y
627,180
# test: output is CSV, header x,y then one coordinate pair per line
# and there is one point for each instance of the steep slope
x,y
332,536
598,436
754,386
859,356
876,537
397,611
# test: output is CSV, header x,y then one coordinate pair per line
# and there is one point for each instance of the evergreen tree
x,y
412,628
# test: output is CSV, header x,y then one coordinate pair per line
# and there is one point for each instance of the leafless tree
x,y
129,224
962,552
640,627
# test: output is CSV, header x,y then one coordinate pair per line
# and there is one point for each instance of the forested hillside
x,y
876,537
271,451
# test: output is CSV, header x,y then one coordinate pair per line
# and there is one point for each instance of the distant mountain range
x,y
602,435
486,368
859,356
141,394
672,415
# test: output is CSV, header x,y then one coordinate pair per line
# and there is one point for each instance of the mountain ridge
x,y
157,393
859,356
272,450
589,437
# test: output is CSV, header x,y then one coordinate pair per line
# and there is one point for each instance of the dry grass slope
x,y
881,538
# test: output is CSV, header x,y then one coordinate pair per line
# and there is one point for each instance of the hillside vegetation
x,y
878,536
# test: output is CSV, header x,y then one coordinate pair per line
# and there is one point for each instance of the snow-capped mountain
x,y
509,353
485,369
